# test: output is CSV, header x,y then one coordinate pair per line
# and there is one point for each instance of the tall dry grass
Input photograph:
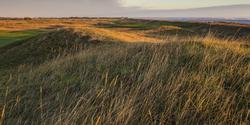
x,y
189,82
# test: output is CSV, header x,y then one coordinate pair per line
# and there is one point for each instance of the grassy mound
x,y
42,47
188,82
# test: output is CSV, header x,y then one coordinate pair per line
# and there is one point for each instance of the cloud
x,y
62,8
230,11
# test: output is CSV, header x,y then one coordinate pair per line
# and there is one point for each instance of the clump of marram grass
x,y
171,83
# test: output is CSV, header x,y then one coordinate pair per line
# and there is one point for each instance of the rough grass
x,y
191,82
221,30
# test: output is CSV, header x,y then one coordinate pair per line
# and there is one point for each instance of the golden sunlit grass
x,y
238,46
119,35
86,25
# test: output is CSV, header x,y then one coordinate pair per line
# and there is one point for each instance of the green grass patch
x,y
8,37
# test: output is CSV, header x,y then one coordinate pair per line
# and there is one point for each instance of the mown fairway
x,y
8,37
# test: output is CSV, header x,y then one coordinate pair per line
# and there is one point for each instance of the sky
x,y
181,4
66,8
